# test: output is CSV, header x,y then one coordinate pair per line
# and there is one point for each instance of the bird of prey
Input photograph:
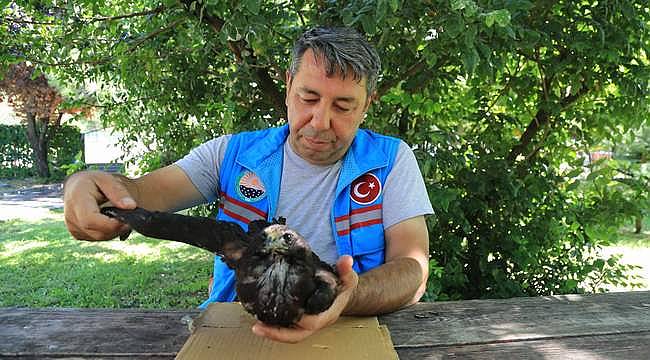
x,y
278,277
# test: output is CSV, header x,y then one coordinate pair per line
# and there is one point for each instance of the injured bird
x,y
278,277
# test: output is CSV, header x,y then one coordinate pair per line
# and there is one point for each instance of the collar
x,y
265,158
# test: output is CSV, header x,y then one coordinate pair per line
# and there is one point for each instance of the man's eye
x,y
308,101
342,109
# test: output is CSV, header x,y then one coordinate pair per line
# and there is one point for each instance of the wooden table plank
x,y
635,346
605,326
49,332
480,321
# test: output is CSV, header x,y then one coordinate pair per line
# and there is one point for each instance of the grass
x,y
627,237
41,265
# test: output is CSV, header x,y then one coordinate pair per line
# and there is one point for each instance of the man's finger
x,y
282,334
96,226
115,191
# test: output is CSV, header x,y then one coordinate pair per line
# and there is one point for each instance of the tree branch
x,y
300,16
108,58
153,34
20,21
157,10
541,119
268,87
412,70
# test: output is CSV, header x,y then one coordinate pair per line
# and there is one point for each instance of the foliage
x,y
77,165
16,160
15,156
499,98
66,146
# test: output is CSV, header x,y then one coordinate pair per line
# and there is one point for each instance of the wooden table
x,y
604,326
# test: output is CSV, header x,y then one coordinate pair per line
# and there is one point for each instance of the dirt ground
x,y
29,200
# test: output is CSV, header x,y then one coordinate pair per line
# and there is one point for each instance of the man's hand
x,y
309,324
83,193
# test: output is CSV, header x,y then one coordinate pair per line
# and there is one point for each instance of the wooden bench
x,y
603,326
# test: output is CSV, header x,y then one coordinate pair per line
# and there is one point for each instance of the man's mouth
x,y
315,142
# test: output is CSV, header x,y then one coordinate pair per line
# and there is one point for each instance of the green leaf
x,y
381,10
500,17
369,25
470,59
252,6
570,284
489,21
394,5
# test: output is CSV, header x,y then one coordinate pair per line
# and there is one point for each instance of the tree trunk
x,y
39,142
638,220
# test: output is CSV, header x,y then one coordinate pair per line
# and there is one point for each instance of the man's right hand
x,y
84,192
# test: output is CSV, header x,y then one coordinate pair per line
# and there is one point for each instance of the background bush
x,y
16,155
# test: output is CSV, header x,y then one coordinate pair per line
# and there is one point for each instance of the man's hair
x,y
343,51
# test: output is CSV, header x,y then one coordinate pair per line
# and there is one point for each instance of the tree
x,y
36,102
498,98
633,150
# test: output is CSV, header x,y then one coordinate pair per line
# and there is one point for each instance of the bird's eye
x,y
287,237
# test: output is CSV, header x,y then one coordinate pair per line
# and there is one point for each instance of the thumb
x,y
345,271
115,191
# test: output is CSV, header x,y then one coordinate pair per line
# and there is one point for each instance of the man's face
x,y
324,112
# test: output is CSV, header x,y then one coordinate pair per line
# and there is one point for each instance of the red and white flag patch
x,y
365,189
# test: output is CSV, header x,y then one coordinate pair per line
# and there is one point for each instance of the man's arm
x,y
165,189
402,280
399,282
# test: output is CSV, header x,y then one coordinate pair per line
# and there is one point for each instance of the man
x,y
353,194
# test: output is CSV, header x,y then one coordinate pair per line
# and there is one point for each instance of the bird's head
x,y
280,238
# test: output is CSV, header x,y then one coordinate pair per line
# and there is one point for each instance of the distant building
x,y
600,154
102,150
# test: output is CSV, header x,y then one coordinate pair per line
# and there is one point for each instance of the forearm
x,y
154,193
387,288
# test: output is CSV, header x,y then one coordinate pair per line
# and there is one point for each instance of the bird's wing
x,y
220,237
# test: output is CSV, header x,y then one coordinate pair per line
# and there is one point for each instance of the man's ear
x,y
369,101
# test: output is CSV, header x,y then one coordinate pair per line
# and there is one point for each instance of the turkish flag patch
x,y
365,189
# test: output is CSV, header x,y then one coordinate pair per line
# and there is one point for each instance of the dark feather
x,y
279,278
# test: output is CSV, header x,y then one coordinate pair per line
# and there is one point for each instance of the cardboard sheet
x,y
223,331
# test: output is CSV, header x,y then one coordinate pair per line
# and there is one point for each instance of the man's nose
x,y
321,117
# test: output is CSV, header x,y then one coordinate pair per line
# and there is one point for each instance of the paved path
x,y
30,202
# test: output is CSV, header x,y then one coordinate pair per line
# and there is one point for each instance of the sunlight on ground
x,y
140,250
14,248
124,248
632,256
26,212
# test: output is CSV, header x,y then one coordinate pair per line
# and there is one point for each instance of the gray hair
x,y
344,52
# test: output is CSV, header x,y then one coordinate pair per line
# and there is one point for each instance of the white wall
x,y
101,147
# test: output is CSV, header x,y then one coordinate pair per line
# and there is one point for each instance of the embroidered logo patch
x,y
365,189
250,187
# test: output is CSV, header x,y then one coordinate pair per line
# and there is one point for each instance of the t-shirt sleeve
x,y
202,164
405,195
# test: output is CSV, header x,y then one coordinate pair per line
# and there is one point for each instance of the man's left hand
x,y
309,324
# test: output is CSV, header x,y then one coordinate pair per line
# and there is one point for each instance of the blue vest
x,y
250,177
